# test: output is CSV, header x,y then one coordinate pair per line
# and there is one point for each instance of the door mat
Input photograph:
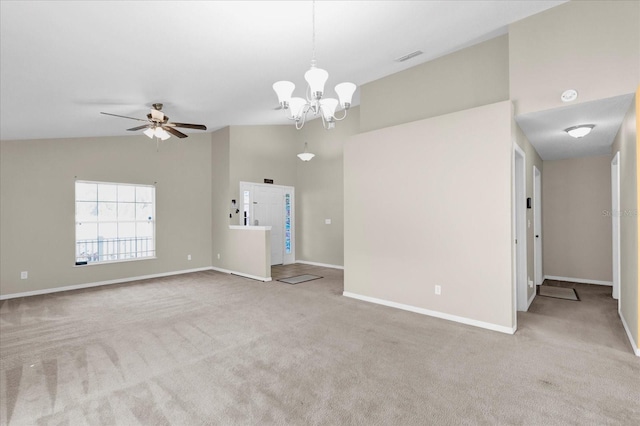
x,y
558,292
299,279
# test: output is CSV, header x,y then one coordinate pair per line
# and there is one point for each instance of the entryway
x,y
271,205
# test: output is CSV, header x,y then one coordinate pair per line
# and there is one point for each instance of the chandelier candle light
x,y
298,108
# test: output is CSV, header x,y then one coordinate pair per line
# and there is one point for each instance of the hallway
x,y
593,320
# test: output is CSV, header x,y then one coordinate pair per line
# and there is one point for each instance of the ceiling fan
x,y
158,124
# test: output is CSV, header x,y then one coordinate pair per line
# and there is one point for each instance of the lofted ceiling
x,y
210,62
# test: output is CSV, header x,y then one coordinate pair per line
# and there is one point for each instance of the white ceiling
x,y
210,62
545,129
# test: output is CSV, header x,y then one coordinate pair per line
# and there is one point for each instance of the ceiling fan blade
x,y
174,132
188,126
123,116
144,126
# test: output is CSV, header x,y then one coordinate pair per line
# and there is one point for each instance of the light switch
x,y
327,221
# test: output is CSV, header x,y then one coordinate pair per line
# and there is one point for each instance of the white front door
x,y
268,210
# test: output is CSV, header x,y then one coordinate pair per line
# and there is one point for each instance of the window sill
x,y
108,262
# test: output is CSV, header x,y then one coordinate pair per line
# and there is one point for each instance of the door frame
x,y
537,226
519,228
288,258
615,225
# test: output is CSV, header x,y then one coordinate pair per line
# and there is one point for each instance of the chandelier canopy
x,y
314,101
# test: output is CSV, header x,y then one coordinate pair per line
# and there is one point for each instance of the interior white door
x,y
268,210
520,230
537,225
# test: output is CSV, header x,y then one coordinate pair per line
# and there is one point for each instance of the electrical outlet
x,y
24,275
327,221
438,290
218,256
188,257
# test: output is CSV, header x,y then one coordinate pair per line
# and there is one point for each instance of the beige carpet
x,y
214,349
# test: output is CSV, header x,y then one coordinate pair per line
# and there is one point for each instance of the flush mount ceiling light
x,y
306,156
580,131
298,108
569,95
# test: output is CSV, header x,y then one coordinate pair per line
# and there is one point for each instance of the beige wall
x,y
251,154
429,203
626,144
243,252
591,46
475,76
259,152
319,191
471,77
577,231
531,159
37,206
249,252
220,198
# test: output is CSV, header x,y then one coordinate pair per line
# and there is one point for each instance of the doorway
x,y
615,224
519,228
537,226
271,205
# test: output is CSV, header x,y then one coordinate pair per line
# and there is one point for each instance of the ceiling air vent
x,y
409,56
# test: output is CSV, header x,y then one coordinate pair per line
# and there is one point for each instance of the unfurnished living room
x,y
319,212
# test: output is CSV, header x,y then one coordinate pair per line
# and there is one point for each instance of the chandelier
x,y
314,101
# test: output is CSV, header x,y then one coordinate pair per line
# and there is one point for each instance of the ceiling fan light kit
x,y
158,132
158,125
297,108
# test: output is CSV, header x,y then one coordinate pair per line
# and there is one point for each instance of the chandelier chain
x,y
313,26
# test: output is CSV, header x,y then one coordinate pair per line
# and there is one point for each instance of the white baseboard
x,y
463,320
578,280
99,283
325,265
242,274
634,345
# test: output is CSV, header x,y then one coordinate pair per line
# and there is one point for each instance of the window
x,y
114,222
